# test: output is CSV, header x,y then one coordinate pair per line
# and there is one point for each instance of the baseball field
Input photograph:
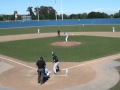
x,y
87,60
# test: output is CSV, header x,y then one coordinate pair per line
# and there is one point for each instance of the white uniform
x,y
55,66
38,30
113,29
66,38
56,63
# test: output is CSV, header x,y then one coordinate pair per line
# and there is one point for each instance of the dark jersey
x,y
41,64
55,59
58,32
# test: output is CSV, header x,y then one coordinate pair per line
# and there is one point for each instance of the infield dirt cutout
x,y
66,44
24,78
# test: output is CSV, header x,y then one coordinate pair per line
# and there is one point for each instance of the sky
x,y
61,6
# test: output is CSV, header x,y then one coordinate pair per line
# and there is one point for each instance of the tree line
x,y
49,13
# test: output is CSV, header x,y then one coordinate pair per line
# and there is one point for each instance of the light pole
x,y
16,16
38,12
55,11
61,10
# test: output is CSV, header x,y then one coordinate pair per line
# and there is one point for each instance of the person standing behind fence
x,y
41,65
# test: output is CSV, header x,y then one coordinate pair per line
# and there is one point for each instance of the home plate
x,y
61,73
32,72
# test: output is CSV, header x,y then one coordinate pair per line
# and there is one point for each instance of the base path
x,y
91,75
43,35
106,74
97,74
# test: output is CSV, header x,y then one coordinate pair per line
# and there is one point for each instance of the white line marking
x,y
67,71
94,61
18,63
60,75
89,62
34,71
29,74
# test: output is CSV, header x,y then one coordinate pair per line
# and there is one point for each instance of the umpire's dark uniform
x,y
41,65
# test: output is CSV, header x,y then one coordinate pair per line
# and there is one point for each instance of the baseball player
x,y
56,63
38,30
58,32
113,28
66,38
47,74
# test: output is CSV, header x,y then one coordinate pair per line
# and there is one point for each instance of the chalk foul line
x,y
66,69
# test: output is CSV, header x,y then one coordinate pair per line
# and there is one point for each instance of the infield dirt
x,y
20,77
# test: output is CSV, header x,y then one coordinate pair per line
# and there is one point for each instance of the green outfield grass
x,y
46,29
92,47
117,86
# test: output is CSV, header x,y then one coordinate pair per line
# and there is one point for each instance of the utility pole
x,y
61,10
38,12
55,11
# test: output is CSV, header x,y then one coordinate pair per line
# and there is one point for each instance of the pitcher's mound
x,y
69,43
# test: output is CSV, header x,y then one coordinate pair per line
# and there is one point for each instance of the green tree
x,y
1,18
83,15
46,12
97,15
31,13
72,16
117,15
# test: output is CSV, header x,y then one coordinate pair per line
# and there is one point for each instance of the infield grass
x,y
46,29
92,47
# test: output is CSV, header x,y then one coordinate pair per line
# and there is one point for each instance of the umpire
x,y
41,65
